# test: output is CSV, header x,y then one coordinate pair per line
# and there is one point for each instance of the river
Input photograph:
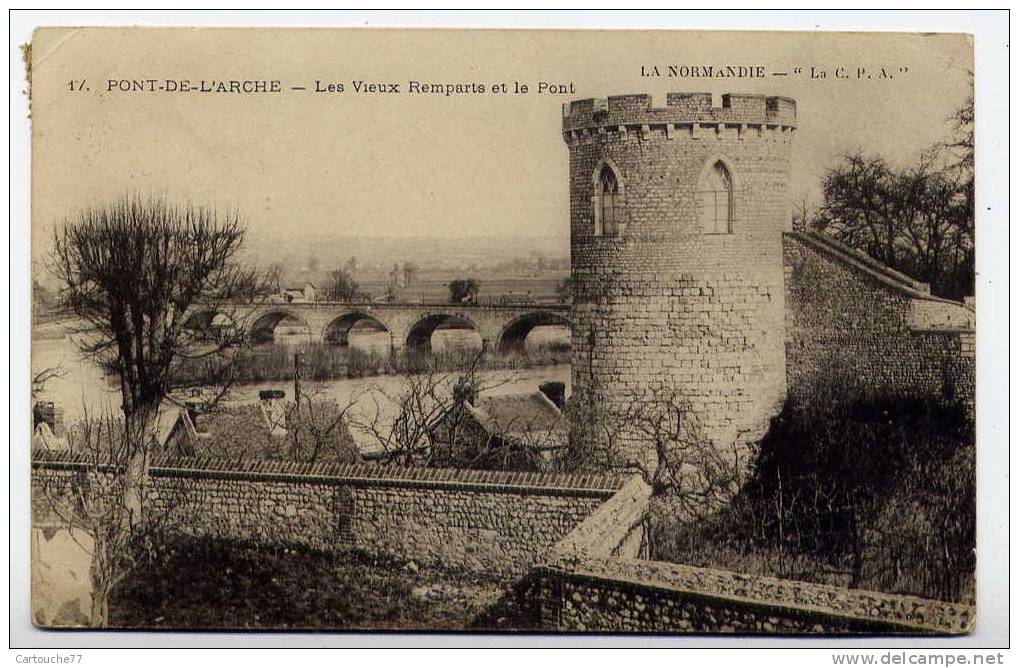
x,y
82,387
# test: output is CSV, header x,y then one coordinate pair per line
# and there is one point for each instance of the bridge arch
x,y
337,331
514,334
199,319
419,335
263,328
209,324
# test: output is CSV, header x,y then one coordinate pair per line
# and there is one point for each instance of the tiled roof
x,y
241,431
527,414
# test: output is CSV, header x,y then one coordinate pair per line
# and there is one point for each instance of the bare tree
x,y
404,423
918,219
342,287
657,435
40,379
275,273
310,429
134,270
317,427
410,272
91,501
961,142
494,442
464,291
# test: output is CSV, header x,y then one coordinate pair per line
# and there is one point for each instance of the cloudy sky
x,y
408,165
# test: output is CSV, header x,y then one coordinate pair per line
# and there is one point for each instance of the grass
x,y
200,583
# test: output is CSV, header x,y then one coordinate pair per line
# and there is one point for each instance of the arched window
x,y
716,212
608,203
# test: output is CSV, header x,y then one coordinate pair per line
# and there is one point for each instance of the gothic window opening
x,y
717,201
608,202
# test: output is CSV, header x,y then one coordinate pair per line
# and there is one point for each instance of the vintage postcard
x,y
547,331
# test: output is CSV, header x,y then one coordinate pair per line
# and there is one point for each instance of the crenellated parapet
x,y
691,115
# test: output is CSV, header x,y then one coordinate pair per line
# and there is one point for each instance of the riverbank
x,y
323,361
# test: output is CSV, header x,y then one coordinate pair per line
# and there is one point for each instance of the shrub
x,y
851,488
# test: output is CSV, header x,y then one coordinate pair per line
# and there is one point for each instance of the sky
x,y
325,165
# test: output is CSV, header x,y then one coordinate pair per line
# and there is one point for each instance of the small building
x,y
47,426
270,429
299,294
519,432
44,438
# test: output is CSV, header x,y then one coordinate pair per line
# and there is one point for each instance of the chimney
x,y
556,393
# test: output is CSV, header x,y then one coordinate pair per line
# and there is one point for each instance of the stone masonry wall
x,y
592,582
656,597
663,303
844,315
485,521
583,551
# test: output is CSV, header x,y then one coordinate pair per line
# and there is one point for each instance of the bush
x,y
851,488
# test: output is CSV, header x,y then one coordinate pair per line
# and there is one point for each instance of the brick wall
x,y
662,302
486,521
843,312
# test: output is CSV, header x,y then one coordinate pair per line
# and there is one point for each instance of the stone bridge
x,y
501,327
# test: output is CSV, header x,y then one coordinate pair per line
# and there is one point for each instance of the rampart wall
x,y
846,313
594,580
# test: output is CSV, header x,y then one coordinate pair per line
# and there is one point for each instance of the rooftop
x,y
242,431
524,416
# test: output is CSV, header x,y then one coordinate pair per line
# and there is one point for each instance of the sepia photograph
x,y
503,332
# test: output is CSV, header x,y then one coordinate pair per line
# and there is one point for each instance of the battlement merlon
x,y
680,109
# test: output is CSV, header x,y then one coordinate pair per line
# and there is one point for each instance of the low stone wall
x,y
493,522
591,582
844,310
583,538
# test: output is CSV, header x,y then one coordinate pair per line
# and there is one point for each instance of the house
x,y
44,438
270,429
299,293
47,426
522,432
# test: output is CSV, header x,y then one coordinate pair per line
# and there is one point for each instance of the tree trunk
x,y
136,464
99,616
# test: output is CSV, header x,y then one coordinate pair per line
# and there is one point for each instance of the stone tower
x,y
677,214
